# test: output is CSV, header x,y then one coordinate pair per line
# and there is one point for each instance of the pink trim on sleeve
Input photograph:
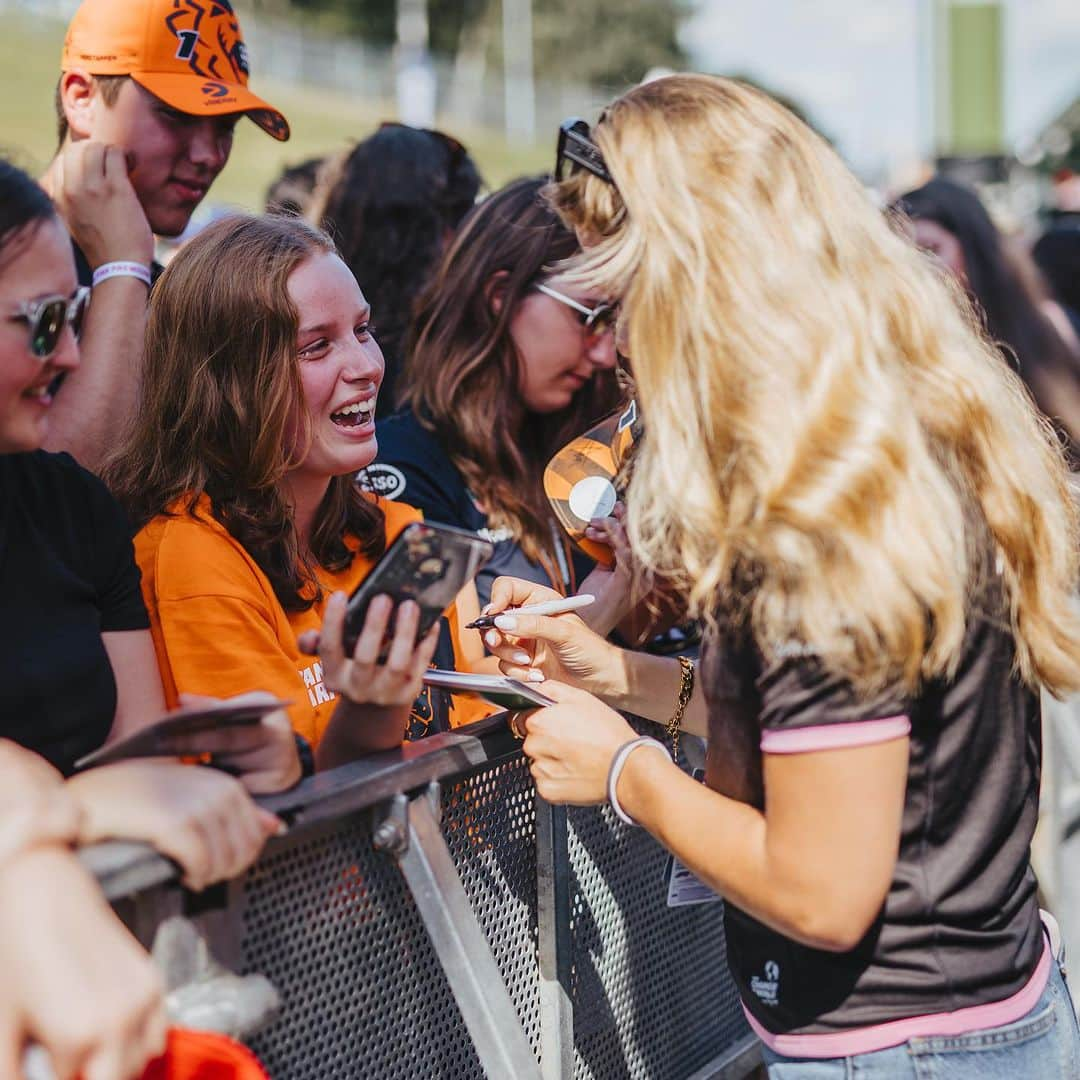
x,y
834,736
866,1040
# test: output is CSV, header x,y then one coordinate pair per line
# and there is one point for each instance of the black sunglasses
x,y
47,318
577,151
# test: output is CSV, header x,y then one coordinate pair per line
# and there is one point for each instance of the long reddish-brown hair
x,y
221,390
463,372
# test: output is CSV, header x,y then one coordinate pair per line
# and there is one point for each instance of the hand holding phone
x,y
387,663
427,563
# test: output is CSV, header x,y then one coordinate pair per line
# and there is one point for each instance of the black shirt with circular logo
x,y
960,925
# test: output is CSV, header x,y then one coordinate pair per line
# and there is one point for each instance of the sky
x,y
862,68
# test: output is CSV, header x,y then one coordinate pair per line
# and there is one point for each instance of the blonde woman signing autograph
x,y
880,533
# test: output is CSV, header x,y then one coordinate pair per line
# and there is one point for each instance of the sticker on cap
x,y
592,497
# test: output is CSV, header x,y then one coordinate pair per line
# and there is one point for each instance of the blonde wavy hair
x,y
834,453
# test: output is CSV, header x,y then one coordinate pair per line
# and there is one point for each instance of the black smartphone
x,y
428,563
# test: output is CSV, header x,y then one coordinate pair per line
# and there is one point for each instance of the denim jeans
x,y
1044,1045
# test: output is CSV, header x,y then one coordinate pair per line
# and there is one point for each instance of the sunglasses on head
x,y
47,318
596,321
577,151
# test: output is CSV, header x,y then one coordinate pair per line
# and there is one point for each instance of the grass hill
x,y
321,121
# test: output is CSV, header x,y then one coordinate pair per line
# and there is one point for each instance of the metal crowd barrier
x,y
429,916
1061,809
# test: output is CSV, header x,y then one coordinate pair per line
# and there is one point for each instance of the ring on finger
x,y
514,724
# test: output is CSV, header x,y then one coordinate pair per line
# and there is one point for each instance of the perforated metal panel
x,y
331,922
489,822
332,925
651,991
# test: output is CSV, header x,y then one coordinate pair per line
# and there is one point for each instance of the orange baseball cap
x,y
188,53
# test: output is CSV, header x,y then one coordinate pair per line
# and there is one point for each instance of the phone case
x,y
429,563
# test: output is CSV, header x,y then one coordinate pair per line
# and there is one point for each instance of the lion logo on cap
x,y
208,59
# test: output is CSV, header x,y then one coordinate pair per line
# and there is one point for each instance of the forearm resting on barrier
x,y
35,809
815,865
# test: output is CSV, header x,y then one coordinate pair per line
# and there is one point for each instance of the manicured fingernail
x,y
521,657
534,676
506,622
487,609
491,638
282,830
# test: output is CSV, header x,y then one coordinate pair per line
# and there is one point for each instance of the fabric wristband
x,y
122,269
617,764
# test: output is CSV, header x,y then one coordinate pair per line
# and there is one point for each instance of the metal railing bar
x,y
555,945
124,868
734,1063
463,950
374,779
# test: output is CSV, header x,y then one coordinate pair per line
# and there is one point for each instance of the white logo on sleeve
x,y
768,988
313,682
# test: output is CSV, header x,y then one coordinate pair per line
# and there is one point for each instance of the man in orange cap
x,y
149,95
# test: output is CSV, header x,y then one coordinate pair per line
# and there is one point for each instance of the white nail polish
x,y
491,638
521,657
506,622
534,676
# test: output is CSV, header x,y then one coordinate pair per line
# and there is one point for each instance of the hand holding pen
x,y
533,647
548,607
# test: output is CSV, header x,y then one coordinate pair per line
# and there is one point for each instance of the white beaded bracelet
x,y
617,763
122,269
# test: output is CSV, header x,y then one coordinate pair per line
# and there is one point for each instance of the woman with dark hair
x,y
291,193
239,477
77,669
507,363
949,221
391,204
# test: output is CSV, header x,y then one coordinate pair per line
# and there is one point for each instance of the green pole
x,y
970,78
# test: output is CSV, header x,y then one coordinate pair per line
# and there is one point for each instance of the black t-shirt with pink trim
x,y
960,925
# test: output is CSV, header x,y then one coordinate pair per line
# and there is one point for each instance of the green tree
x,y
601,42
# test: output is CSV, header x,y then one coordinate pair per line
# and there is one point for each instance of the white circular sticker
x,y
593,497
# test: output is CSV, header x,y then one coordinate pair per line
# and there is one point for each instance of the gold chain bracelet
x,y
686,692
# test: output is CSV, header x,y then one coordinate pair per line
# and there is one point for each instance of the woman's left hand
x,y
364,678
570,745
262,756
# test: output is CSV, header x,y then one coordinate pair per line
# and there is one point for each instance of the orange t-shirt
x,y
219,629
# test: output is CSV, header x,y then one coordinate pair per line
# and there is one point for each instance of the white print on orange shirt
x,y
316,690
